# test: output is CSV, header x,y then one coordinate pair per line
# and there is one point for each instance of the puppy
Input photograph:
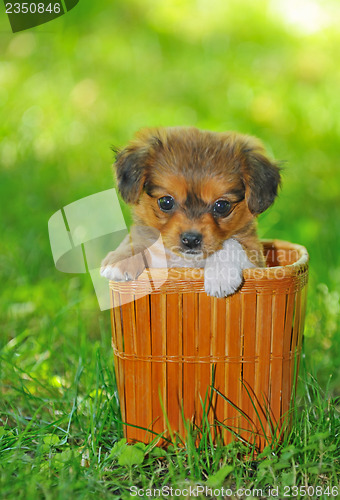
x,y
201,192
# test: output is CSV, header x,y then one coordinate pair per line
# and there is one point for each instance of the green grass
x,y
89,80
64,439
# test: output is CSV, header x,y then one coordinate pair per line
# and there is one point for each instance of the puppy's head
x,y
197,188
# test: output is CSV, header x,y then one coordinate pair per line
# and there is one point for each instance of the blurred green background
x,y
76,86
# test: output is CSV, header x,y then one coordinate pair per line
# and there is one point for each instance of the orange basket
x,y
174,345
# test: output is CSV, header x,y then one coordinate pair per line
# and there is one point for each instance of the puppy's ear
x,y
131,171
133,162
262,178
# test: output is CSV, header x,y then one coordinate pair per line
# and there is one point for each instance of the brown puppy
x,y
201,191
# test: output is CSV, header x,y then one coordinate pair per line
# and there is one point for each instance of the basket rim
x,y
298,267
186,274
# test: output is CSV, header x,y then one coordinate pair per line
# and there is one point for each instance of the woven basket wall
x,y
172,342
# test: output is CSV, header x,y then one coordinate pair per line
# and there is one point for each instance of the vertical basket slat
x,y
174,350
219,336
213,353
279,314
189,329
143,369
181,427
170,339
233,366
294,358
117,340
248,381
287,339
203,370
261,388
119,363
129,335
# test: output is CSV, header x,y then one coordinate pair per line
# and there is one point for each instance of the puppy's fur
x,y
194,169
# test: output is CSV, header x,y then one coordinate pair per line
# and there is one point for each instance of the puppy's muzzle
x,y
191,241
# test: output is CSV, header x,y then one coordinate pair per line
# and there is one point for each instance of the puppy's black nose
x,y
191,240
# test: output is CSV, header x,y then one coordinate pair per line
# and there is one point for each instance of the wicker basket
x,y
171,345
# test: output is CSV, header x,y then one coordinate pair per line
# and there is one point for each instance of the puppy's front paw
x,y
124,270
223,269
221,280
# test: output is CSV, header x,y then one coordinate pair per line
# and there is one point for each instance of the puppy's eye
x,y
222,208
166,203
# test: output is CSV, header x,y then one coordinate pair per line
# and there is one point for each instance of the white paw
x,y
115,274
123,270
221,281
223,269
